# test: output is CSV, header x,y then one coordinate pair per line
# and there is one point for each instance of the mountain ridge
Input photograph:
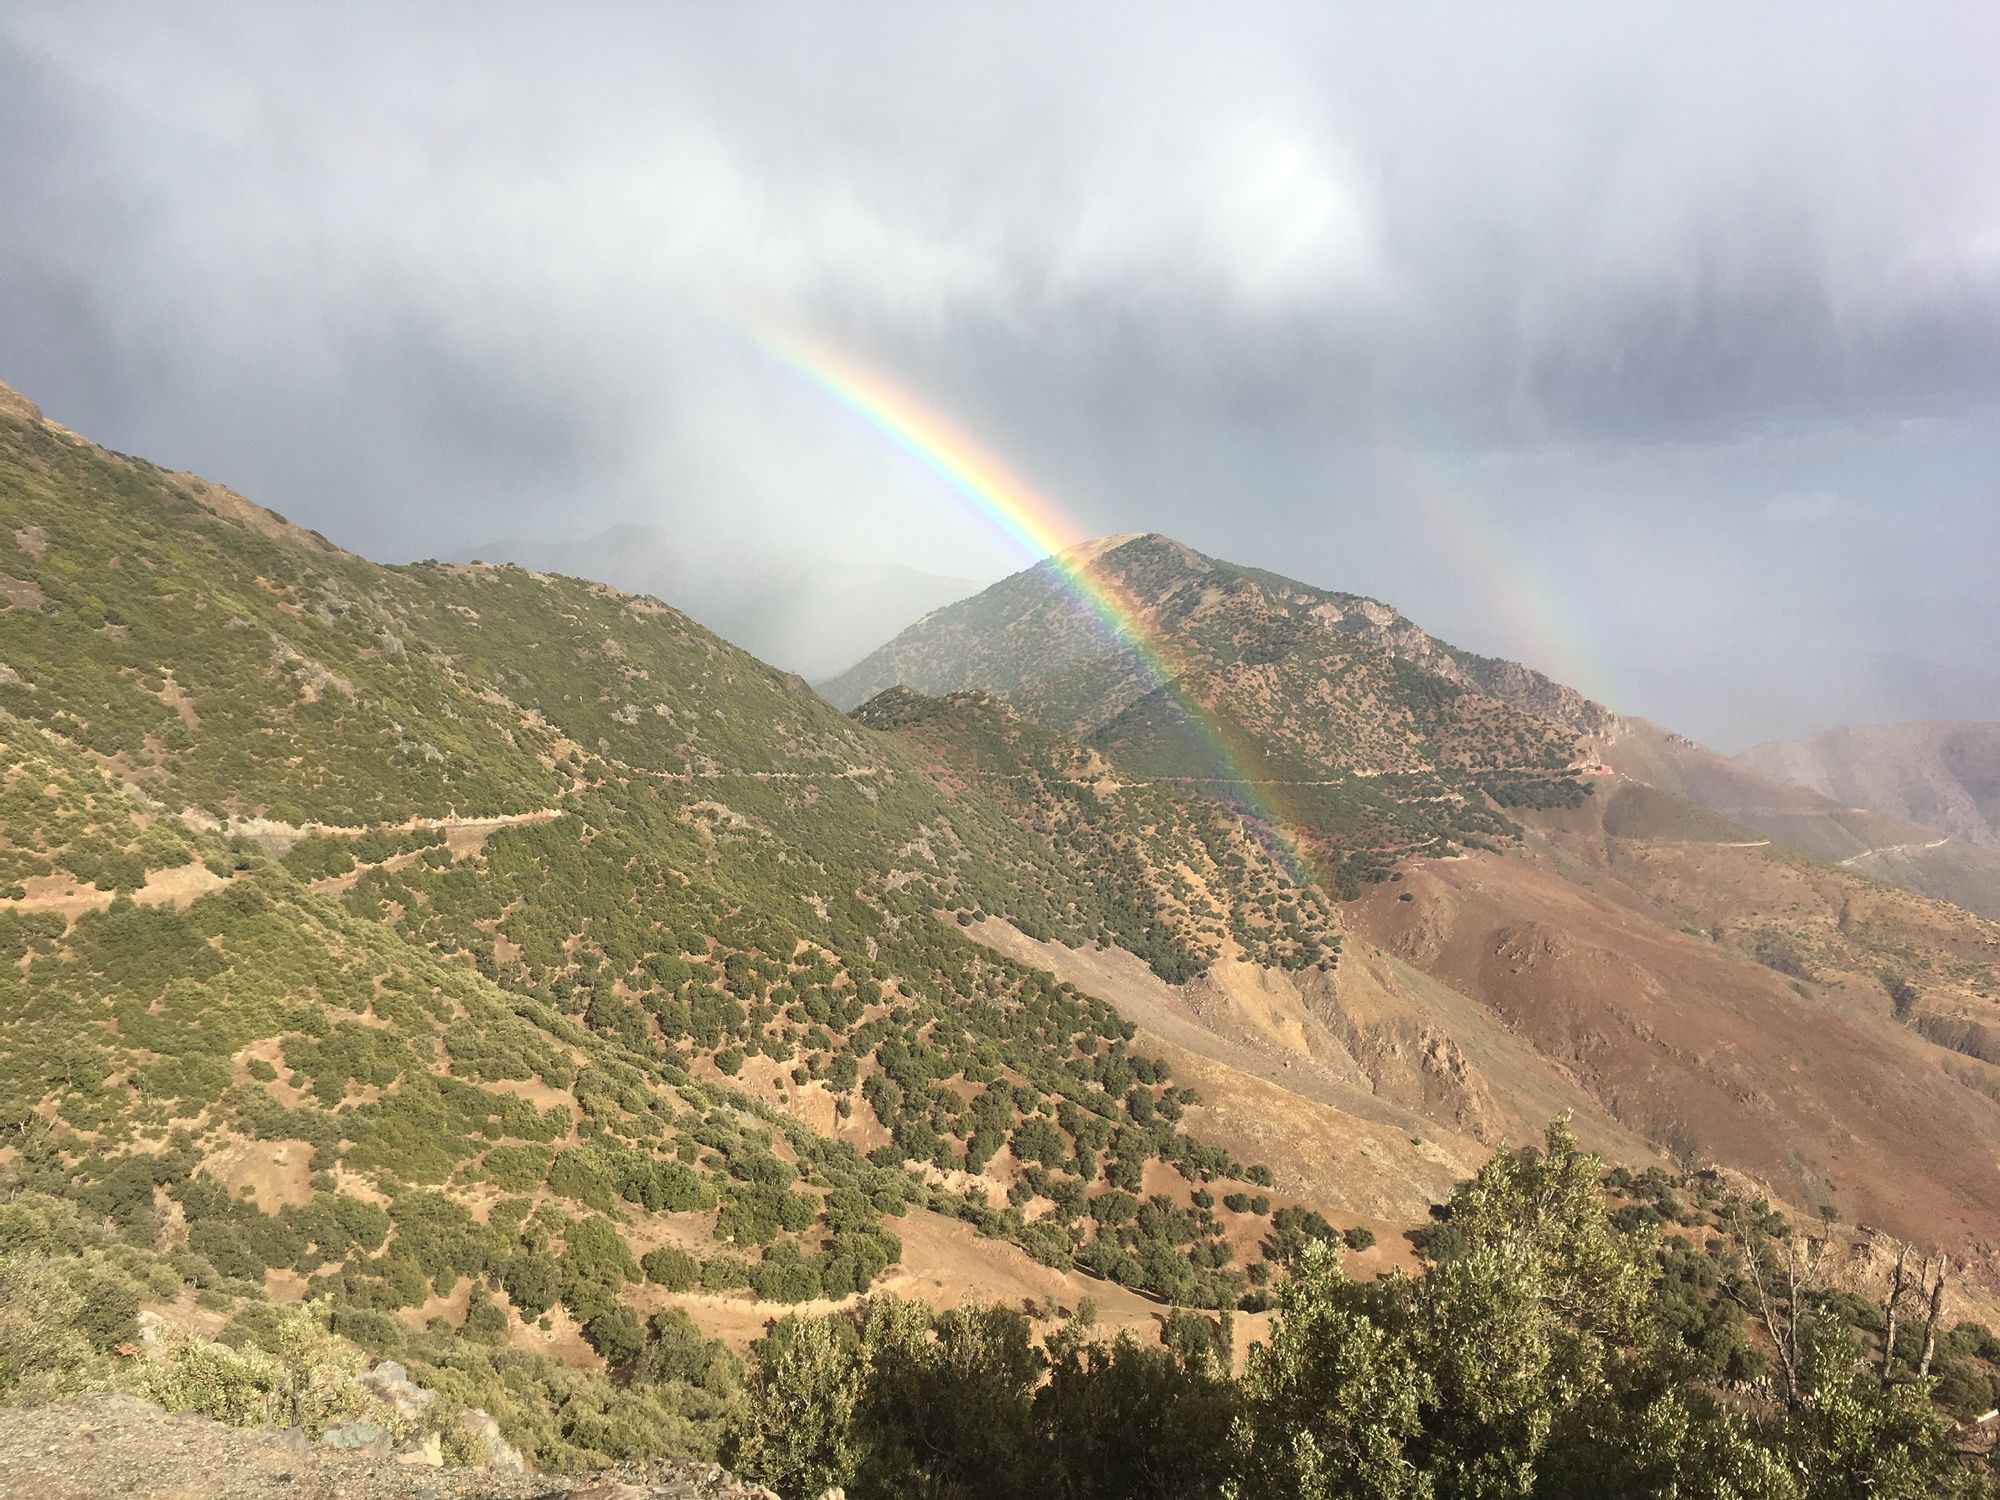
x,y
899,661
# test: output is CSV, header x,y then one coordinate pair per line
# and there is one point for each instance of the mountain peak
x,y
1088,554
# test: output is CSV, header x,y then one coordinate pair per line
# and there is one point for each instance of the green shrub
x,y
676,1270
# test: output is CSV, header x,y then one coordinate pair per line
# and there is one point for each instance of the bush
x,y
616,1334
305,1381
725,1273
676,1270
43,1355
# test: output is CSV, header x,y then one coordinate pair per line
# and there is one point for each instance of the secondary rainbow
x,y
1039,530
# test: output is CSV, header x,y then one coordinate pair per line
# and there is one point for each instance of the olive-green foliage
x,y
674,1269
43,1352
1540,1354
304,1380
70,1289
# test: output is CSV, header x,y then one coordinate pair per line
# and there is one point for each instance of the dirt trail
x,y
271,828
1855,859
66,895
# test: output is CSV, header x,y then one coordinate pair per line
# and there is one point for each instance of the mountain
x,y
1027,639
1942,776
808,620
1379,739
563,994
1551,906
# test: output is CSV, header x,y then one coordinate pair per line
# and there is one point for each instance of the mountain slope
x,y
1943,776
1867,841
1646,952
448,938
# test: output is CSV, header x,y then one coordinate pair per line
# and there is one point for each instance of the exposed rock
x,y
427,1450
392,1383
500,1454
370,1439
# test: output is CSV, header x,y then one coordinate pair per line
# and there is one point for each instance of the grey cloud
x,y
1257,276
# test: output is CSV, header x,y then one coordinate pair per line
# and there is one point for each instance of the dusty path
x,y
65,895
272,828
1855,859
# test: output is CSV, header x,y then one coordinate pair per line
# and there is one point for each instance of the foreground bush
x,y
306,1382
1545,1351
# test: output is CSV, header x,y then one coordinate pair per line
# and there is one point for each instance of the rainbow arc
x,y
1041,532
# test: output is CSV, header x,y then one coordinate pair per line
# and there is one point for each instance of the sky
x,y
1657,346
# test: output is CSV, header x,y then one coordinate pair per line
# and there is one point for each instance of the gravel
x,y
118,1447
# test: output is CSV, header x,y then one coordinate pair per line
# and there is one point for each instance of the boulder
x,y
368,1439
500,1454
390,1382
427,1451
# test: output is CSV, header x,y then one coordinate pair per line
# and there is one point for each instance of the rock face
x,y
90,1447
368,1439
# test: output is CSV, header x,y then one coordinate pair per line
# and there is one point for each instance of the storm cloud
x,y
1660,347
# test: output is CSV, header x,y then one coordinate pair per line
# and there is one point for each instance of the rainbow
x,y
1034,525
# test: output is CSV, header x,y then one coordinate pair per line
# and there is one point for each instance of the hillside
x,y
1942,776
471,944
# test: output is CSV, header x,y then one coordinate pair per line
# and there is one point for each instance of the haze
x,y
1658,348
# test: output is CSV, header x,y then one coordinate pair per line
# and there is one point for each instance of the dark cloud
x,y
1629,339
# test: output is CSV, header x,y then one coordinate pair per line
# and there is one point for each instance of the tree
x,y
1334,1402
616,1334
800,1436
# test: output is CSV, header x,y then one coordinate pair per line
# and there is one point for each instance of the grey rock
x,y
391,1382
370,1439
500,1454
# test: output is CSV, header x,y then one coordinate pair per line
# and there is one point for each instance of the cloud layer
x,y
1629,339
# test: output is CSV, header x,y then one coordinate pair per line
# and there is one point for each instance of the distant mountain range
x,y
813,621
